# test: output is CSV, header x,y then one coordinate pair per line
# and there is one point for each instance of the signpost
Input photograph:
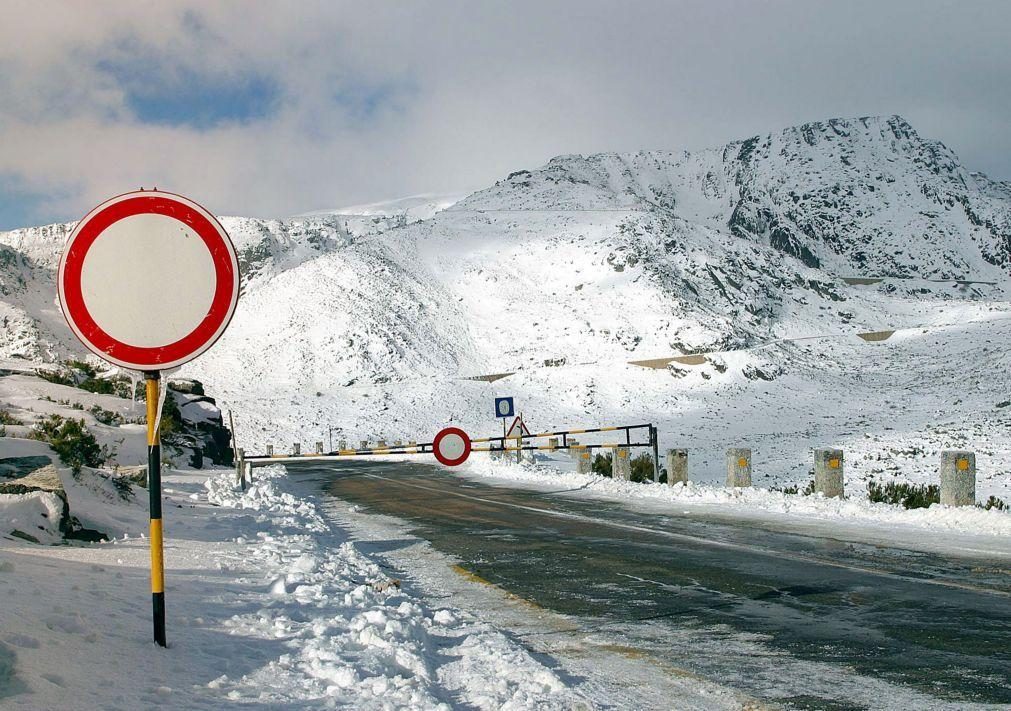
x,y
148,281
519,430
504,408
451,446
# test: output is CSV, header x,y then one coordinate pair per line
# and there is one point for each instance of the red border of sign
x,y
188,347
466,447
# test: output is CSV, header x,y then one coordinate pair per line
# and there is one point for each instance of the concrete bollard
x,y
364,444
381,444
296,449
958,478
342,445
677,466
398,443
828,472
738,467
584,460
621,464
552,444
270,450
240,467
574,448
319,448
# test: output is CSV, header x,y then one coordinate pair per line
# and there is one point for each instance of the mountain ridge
x,y
565,273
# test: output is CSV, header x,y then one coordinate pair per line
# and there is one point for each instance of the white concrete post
x,y
677,466
958,478
365,444
240,468
584,461
296,449
552,444
738,467
573,448
270,450
319,448
621,463
828,472
342,445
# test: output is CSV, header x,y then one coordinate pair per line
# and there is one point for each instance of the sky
x,y
271,109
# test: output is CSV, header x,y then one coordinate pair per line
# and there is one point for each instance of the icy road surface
x,y
799,620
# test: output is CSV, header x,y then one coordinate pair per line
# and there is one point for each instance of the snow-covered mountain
x,y
367,321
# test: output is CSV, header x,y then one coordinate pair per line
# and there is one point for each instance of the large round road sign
x,y
451,446
148,280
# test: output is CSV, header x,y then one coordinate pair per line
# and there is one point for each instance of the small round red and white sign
x,y
451,446
148,280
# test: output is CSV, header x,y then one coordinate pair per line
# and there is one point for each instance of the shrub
x,y
79,365
55,376
71,440
100,386
994,503
602,464
7,418
642,466
795,489
106,417
911,496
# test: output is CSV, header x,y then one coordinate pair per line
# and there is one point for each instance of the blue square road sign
x,y
504,407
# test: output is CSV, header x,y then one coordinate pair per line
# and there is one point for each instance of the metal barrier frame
x,y
502,441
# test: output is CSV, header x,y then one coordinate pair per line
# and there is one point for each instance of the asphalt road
x,y
799,620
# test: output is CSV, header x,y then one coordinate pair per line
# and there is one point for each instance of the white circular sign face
x,y
503,408
148,280
451,446
121,300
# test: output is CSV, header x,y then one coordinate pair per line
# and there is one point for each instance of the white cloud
x,y
469,91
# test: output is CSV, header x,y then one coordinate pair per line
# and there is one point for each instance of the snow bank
x,y
36,514
966,519
351,635
268,603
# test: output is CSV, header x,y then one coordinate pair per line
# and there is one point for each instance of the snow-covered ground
x,y
268,603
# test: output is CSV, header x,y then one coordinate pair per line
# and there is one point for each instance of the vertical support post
x,y
654,438
342,445
240,467
519,447
552,443
828,472
319,448
364,444
296,449
958,478
677,466
270,450
621,464
738,467
584,460
152,381
231,429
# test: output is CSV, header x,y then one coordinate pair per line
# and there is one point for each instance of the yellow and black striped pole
x,y
151,380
